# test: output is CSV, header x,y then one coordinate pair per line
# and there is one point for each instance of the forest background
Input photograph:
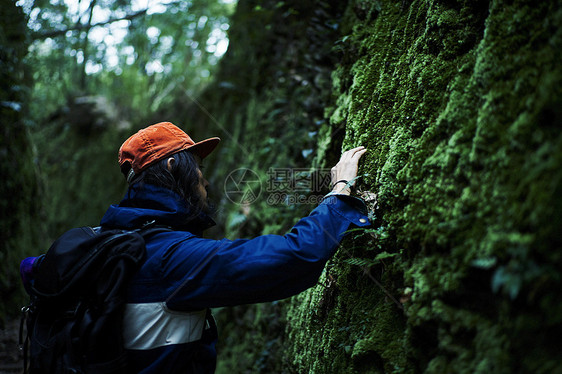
x,y
459,103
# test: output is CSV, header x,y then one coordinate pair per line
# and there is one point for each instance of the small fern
x,y
368,262
362,262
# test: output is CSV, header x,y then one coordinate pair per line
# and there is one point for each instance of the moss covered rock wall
x,y
460,106
459,103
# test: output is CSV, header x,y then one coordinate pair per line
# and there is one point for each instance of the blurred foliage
x,y
137,58
101,69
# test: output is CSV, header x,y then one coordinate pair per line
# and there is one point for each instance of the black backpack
x,y
74,319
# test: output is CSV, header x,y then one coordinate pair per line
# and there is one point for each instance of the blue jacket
x,y
167,326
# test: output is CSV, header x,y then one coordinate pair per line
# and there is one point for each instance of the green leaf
x,y
383,255
484,263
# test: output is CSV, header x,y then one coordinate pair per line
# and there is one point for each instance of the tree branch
x,y
81,27
85,44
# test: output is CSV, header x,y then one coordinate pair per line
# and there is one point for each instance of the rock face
x,y
460,106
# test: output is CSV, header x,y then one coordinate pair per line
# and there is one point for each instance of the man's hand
x,y
346,170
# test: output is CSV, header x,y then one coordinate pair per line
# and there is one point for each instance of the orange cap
x,y
158,141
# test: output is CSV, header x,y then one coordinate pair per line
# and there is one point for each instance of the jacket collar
x,y
146,202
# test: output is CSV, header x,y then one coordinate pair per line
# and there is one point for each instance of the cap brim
x,y
205,147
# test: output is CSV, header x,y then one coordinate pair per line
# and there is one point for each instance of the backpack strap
x,y
147,231
24,344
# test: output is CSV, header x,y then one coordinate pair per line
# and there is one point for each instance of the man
x,y
167,323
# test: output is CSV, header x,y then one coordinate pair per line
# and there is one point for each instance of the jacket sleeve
x,y
266,268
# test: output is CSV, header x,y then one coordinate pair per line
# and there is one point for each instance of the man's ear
x,y
170,163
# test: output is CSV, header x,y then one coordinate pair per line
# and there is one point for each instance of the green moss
x,y
448,97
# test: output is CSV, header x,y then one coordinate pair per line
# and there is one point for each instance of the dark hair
x,y
183,178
